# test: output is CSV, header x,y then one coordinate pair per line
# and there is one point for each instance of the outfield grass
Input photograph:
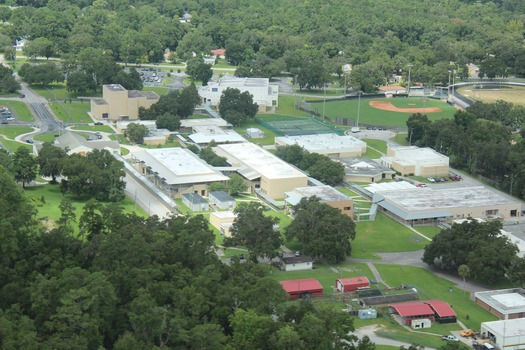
x,y
13,131
374,116
47,198
383,235
19,109
75,112
514,94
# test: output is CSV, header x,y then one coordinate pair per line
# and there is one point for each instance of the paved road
x,y
145,199
369,331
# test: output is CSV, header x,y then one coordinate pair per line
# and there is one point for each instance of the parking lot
x,y
152,76
6,115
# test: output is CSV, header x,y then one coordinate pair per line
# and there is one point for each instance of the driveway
x,y
370,332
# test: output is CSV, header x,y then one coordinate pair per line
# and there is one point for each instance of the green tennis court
x,y
295,126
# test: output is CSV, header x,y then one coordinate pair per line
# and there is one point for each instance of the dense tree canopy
x,y
323,231
255,231
236,106
472,244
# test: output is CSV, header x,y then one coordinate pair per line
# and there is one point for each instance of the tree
x,y
471,244
236,184
50,160
255,231
44,73
136,132
42,47
168,121
9,83
417,123
463,272
25,166
322,230
232,100
199,71
516,272
188,99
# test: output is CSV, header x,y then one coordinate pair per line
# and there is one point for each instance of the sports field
x,y
375,116
491,93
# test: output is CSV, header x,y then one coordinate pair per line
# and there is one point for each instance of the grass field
x,y
379,145
430,286
59,91
75,112
374,116
494,92
50,137
101,128
384,235
161,91
13,131
51,195
12,145
19,109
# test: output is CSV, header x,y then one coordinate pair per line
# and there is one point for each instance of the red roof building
x,y
412,311
345,285
442,310
304,288
218,53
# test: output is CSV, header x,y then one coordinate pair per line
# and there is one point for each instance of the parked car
x,y
5,122
21,95
449,338
30,141
99,123
431,179
467,333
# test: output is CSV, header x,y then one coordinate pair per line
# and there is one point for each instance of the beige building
x,y
75,143
330,145
223,221
265,172
412,160
118,103
326,194
419,206
365,170
176,170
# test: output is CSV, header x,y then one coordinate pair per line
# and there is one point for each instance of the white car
x,y
431,179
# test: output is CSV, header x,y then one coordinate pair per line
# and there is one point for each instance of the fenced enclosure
x,y
299,126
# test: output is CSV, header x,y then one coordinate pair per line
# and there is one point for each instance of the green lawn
x,y
13,131
382,235
19,109
430,286
374,116
101,128
269,135
50,137
12,146
429,231
379,145
400,138
75,112
48,208
59,91
160,90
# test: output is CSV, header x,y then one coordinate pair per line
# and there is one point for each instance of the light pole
x,y
358,107
408,90
448,87
512,178
453,82
324,99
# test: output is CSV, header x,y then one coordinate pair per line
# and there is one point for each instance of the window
x,y
347,208
214,89
105,115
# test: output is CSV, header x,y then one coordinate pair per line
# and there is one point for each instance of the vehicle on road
x,y
21,95
449,338
30,141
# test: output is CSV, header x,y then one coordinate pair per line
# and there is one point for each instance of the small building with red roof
x,y
412,311
442,310
350,284
303,288
218,53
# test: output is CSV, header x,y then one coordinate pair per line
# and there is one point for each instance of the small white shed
x,y
421,323
367,314
195,202
254,133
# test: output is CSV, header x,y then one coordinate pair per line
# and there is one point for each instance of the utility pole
x,y
408,89
358,107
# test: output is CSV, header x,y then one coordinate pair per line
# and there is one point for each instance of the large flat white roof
x,y
205,134
325,143
178,166
505,301
191,123
231,81
415,154
258,159
417,199
324,193
506,328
